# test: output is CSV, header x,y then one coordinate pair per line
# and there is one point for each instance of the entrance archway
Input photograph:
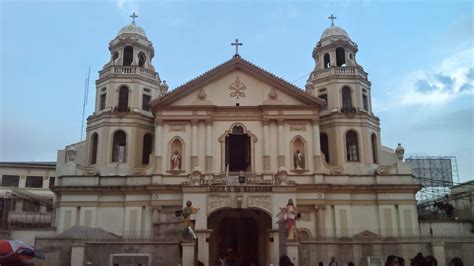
x,y
244,232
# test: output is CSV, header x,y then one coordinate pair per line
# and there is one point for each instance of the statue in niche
x,y
298,160
176,161
288,216
189,219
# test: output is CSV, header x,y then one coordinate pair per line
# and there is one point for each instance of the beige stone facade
x,y
320,146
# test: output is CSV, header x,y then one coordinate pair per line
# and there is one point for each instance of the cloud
x,y
128,6
452,78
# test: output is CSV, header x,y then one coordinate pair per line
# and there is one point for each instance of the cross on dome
x,y
236,44
133,16
332,18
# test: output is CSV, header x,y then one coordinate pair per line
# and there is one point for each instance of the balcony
x,y
128,71
30,217
344,71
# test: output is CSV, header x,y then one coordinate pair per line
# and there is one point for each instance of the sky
x,y
419,56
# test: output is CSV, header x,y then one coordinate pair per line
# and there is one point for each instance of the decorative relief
x,y
238,113
90,171
305,213
261,202
202,94
272,94
297,127
237,88
214,203
177,127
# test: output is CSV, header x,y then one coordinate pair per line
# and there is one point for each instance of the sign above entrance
x,y
240,189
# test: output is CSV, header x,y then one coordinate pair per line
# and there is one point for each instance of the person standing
x,y
333,261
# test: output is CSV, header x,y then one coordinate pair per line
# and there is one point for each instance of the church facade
x,y
239,143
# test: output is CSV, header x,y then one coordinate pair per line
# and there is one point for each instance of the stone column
x,y
203,245
266,146
208,146
194,143
188,253
316,145
320,222
158,145
281,143
439,253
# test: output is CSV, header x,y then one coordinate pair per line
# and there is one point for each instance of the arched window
x,y
95,142
323,138
141,59
123,99
352,146
327,63
346,98
119,146
115,56
374,148
237,130
340,56
147,146
128,56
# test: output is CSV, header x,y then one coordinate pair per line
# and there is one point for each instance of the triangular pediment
x,y
237,81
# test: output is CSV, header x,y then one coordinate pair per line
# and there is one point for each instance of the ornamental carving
x,y
202,94
261,202
214,203
305,213
173,128
272,94
237,89
297,127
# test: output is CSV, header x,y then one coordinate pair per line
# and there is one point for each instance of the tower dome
x,y
132,29
334,30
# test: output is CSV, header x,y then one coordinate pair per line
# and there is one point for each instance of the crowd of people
x,y
392,260
420,260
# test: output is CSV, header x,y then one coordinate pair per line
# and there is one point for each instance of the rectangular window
x,y
365,101
34,181
30,206
103,97
146,101
10,181
325,98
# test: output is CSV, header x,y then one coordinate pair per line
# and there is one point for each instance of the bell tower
x,y
350,133
120,131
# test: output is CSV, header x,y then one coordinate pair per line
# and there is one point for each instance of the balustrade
x,y
128,70
339,71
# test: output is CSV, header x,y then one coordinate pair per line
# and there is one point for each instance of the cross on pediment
x,y
332,18
133,16
236,44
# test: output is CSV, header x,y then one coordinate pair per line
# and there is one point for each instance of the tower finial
x,y
133,16
236,44
332,18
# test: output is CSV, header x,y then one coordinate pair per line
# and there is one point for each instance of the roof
x,y
51,165
84,232
235,63
132,29
334,31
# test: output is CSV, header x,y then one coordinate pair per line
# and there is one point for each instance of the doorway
x,y
240,236
237,147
